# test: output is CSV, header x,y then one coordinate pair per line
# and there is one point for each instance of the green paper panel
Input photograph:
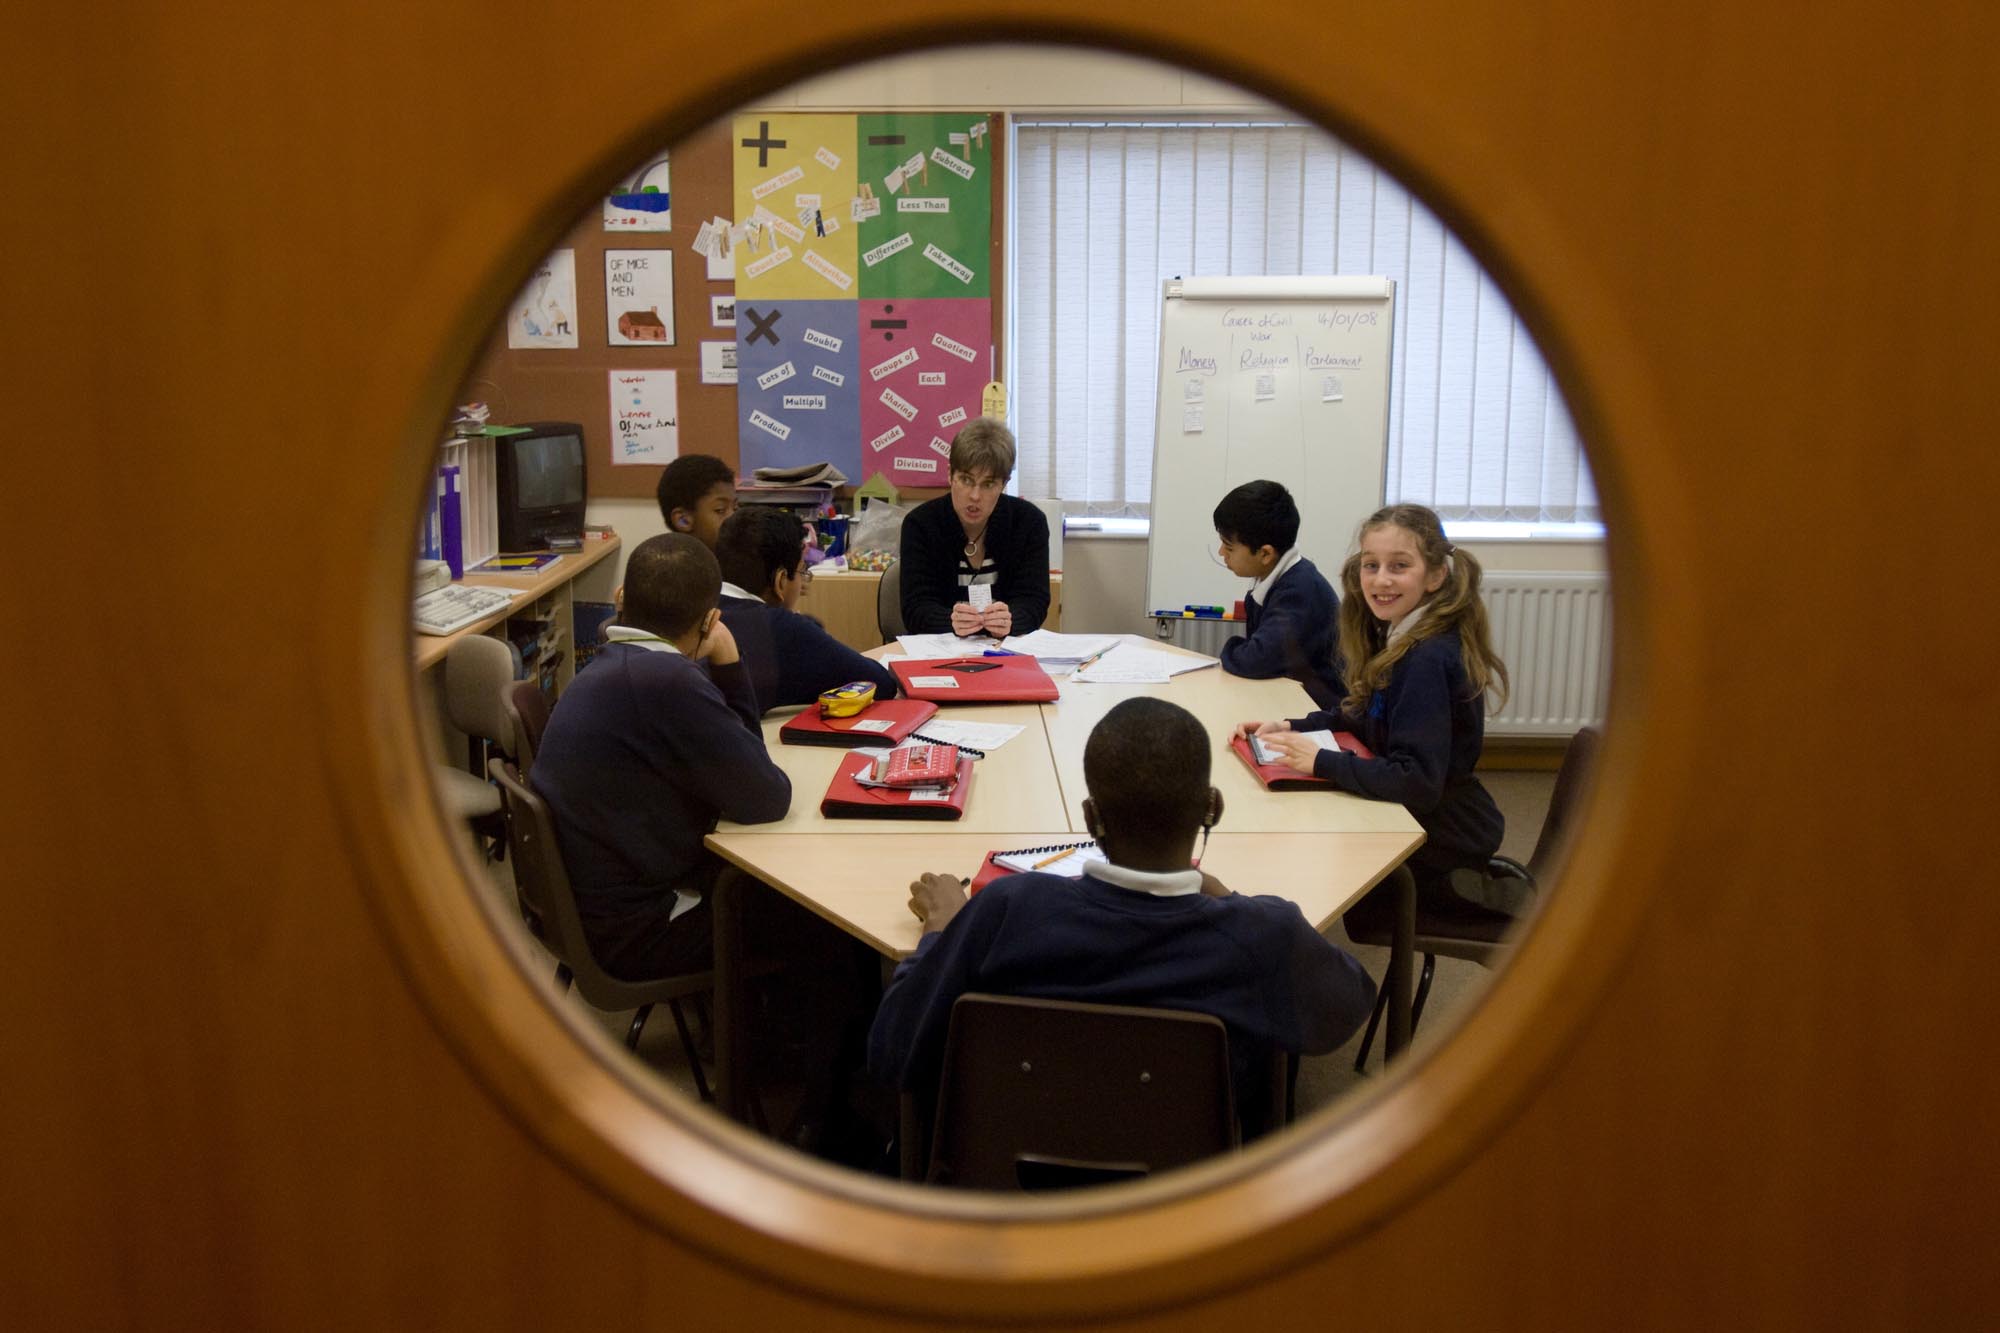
x,y
933,235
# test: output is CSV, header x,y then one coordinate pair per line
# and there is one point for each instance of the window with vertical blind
x,y
1103,212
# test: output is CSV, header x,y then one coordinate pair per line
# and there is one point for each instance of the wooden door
x,y
266,1067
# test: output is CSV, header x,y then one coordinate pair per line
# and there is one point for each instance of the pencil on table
x,y
1051,860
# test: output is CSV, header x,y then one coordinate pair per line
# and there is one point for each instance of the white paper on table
x,y
1051,645
1112,671
1266,755
980,595
940,645
1133,664
983,736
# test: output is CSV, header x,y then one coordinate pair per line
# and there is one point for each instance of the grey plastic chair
x,y
1487,942
477,670
544,886
889,603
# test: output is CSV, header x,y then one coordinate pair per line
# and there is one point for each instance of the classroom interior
x,y
268,1066
1103,564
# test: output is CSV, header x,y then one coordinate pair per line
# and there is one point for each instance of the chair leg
x,y
638,1026
1423,992
687,1048
1368,1037
1402,955
732,1009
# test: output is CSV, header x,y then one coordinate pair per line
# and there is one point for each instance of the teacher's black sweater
x,y
1017,542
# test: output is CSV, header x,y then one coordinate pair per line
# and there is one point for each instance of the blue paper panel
x,y
797,390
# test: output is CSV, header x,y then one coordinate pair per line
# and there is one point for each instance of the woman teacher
x,y
978,537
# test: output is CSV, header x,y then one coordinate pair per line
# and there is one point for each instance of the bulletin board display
x,y
866,268
631,371
673,368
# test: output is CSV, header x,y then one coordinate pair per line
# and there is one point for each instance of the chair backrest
x,y
889,603
544,888
1571,779
477,670
1050,1093
527,710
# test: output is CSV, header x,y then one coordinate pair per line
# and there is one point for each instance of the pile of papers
x,y
1054,651
1132,663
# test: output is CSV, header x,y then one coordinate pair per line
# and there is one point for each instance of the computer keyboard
x,y
451,608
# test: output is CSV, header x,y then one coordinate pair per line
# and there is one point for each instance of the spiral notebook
x,y
1068,859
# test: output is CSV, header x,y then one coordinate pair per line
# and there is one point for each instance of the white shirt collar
x,y
1406,624
1264,585
639,638
731,590
1159,883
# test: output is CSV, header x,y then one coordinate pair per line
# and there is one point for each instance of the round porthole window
x,y
843,272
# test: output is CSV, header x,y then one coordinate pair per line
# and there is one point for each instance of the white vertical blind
x,y
1103,213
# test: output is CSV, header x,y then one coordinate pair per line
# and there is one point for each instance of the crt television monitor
x,y
541,490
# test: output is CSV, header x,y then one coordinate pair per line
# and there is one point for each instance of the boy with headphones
x,y
1146,928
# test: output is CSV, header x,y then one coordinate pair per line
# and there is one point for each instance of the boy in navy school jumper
x,y
1414,622
654,742
791,658
696,493
1292,611
1146,929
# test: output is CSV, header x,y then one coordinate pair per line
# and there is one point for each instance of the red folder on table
x,y
901,716
1015,678
1277,777
848,799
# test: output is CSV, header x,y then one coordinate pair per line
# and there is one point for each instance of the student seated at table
x,y
976,537
790,657
1420,657
1146,929
1292,611
645,751
697,492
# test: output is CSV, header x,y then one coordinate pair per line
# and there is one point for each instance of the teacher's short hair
x,y
983,447
1146,766
671,582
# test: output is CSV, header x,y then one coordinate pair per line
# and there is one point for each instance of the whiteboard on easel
x,y
1284,379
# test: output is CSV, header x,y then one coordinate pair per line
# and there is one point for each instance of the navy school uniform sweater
x,y
644,752
1426,727
1253,962
1017,545
792,659
1295,633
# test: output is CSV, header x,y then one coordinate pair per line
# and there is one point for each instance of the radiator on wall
x,y
1554,633
1552,630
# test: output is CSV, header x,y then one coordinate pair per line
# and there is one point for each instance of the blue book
x,y
451,521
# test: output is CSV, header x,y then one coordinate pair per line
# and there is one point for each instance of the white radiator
x,y
1552,630
1554,633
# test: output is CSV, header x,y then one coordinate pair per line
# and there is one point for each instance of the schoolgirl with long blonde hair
x,y
1417,656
